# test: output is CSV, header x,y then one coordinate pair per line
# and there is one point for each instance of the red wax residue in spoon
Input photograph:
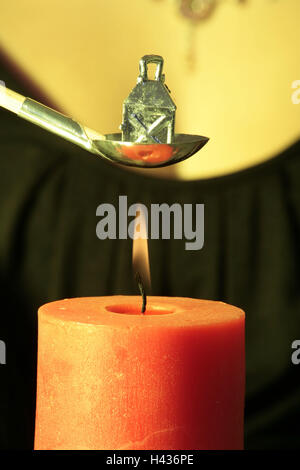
x,y
152,153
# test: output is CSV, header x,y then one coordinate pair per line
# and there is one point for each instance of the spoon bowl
x,y
148,155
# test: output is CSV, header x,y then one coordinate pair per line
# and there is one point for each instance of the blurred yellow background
x,y
85,55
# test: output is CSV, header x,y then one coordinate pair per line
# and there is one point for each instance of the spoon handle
x,y
54,122
48,119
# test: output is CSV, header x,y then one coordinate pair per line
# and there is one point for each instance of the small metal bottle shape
x,y
149,112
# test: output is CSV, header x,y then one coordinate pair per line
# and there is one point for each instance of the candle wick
x,y
141,287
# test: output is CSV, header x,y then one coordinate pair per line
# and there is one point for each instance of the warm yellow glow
x,y
85,54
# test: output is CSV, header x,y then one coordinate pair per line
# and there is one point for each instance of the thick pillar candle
x,y
110,377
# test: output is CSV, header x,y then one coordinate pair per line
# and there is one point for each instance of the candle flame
x,y
140,252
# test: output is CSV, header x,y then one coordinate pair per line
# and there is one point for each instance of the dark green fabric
x,y
49,192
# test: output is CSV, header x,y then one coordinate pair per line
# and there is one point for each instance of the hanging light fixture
x,y
196,11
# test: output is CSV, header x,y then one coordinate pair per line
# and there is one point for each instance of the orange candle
x,y
110,377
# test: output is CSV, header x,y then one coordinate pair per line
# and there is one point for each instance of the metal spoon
x,y
109,146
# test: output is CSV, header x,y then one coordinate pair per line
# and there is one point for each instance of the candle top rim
x,y
177,311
